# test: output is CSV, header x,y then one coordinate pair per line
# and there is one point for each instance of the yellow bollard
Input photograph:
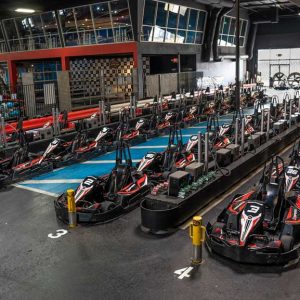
x,y
197,234
72,208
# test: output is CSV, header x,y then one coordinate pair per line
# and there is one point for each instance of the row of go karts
x,y
23,164
102,199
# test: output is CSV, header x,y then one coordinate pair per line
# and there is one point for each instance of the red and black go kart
x,y
158,165
219,136
262,226
80,148
187,155
23,165
143,129
167,121
93,147
191,117
103,199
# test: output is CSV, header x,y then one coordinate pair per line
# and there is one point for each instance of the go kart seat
x,y
271,201
118,179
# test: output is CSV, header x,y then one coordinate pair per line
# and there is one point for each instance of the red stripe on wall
x,y
65,53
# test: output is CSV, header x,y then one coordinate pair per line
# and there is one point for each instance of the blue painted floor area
x,y
58,181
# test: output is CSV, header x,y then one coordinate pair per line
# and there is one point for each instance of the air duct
x,y
215,47
251,40
217,3
211,27
273,18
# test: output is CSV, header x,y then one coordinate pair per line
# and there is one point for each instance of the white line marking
x,y
148,147
35,190
101,162
52,181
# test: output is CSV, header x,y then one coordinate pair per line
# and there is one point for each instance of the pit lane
x,y
117,261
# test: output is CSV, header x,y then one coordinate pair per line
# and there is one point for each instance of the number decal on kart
x,y
89,181
253,209
59,233
292,172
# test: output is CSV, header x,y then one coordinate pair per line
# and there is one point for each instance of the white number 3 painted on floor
x,y
59,233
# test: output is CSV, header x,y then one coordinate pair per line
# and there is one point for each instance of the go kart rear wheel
x,y
287,243
107,206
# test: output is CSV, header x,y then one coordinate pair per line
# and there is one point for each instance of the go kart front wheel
x,y
218,227
107,206
287,243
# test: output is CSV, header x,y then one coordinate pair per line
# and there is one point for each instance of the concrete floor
x,y
116,261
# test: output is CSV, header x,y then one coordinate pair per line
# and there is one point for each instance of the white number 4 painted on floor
x,y
59,233
184,273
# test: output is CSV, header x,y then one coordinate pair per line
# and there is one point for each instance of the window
x,y
150,12
85,26
121,21
12,35
228,31
161,16
193,19
171,23
2,41
69,26
183,17
37,32
51,29
102,23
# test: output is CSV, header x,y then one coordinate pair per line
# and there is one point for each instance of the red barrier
x,y
40,122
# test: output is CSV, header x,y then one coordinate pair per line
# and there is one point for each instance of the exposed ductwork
x,y
215,48
211,27
217,3
251,40
272,18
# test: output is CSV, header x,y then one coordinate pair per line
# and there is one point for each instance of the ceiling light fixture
x,y
25,10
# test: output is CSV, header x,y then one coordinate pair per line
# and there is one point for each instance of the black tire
x,y
287,243
107,206
166,174
217,226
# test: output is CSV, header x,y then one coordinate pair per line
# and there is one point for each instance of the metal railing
x,y
28,101
163,84
90,92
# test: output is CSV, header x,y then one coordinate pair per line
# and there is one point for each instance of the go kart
x,y
23,165
191,117
219,136
143,129
103,199
79,149
90,148
187,155
167,121
261,226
